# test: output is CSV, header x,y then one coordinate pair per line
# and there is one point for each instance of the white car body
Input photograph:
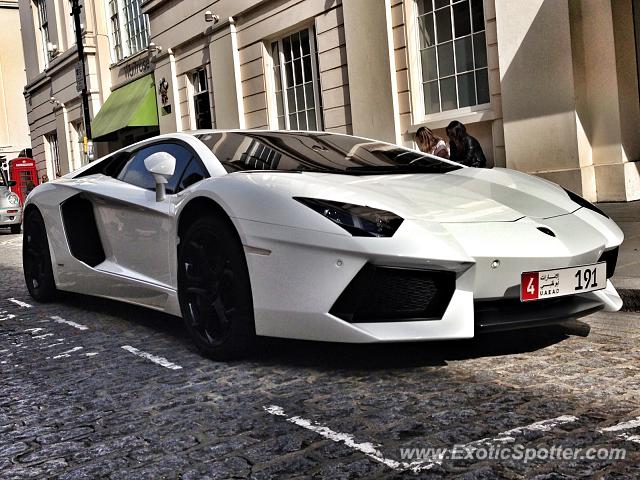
x,y
300,262
10,208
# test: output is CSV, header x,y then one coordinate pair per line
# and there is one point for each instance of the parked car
x,y
318,236
10,208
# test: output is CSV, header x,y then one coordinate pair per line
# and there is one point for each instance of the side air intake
x,y
82,231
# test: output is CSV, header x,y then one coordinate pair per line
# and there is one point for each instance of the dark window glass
x,y
424,6
427,33
448,92
194,172
445,59
431,97
443,25
482,84
461,19
429,70
480,50
464,55
460,48
477,15
466,90
202,108
317,152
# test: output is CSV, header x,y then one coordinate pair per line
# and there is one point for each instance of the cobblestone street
x,y
96,389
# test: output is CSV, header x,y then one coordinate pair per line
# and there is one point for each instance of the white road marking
x,y
68,352
44,336
541,426
159,360
621,427
372,451
34,330
19,303
58,319
91,354
369,449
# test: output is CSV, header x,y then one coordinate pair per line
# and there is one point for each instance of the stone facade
x,y
556,82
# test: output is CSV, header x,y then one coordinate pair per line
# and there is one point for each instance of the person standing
x,y
428,142
464,148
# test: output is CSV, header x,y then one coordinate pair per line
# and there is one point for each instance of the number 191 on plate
x,y
563,281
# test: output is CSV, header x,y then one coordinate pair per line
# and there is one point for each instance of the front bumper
x,y
299,275
10,216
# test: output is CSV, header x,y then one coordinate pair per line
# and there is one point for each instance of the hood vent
x,y
547,231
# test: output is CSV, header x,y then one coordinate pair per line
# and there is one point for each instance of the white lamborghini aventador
x,y
318,236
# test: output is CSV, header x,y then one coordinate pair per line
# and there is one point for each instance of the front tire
x,y
36,259
214,289
15,229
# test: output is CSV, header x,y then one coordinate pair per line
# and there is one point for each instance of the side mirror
x,y
161,165
11,183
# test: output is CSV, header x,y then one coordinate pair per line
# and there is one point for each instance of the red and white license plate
x,y
563,281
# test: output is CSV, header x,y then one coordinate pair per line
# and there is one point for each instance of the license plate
x,y
562,281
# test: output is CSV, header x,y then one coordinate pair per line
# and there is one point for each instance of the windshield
x,y
318,152
3,180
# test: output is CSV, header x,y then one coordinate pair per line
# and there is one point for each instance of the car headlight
x,y
583,203
13,199
358,220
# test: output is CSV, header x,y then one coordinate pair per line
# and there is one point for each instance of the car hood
x,y
467,195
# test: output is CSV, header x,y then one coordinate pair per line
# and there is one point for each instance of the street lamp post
x,y
75,13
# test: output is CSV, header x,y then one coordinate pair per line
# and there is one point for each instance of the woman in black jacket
x,y
464,148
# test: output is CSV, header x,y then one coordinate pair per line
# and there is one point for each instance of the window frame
x,y
274,122
42,16
132,153
193,90
53,152
131,42
484,111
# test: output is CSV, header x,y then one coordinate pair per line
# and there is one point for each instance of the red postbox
x,y
23,171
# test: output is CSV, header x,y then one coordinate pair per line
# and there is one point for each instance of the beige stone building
x,y
14,130
547,86
115,39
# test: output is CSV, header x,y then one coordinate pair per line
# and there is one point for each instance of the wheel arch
x,y
28,210
201,206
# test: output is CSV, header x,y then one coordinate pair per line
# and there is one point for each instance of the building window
x,y
201,103
72,30
54,157
43,26
136,26
453,54
125,19
116,39
295,70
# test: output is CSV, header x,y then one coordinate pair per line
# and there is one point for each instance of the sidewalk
x,y
627,276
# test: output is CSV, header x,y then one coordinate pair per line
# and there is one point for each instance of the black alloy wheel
x,y
36,259
214,289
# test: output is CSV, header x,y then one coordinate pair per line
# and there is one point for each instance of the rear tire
x,y
214,289
36,259
15,229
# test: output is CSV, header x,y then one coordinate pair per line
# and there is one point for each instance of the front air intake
x,y
386,294
611,257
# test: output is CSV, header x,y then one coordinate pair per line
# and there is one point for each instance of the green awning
x,y
133,105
